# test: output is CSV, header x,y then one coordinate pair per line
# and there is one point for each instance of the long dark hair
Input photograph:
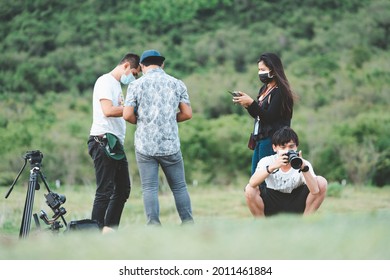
x,y
273,62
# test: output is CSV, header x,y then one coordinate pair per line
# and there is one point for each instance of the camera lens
x,y
61,198
296,162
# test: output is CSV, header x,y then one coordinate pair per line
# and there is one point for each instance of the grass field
x,y
352,225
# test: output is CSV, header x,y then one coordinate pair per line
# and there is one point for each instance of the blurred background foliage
x,y
335,53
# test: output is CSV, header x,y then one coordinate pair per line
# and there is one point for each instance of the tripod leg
x,y
28,207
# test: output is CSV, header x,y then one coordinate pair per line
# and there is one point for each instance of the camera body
x,y
294,159
54,200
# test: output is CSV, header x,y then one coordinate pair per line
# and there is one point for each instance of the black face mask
x,y
265,78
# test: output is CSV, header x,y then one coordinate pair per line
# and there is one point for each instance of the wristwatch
x,y
305,169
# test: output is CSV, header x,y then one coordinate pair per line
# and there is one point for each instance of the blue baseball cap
x,y
151,54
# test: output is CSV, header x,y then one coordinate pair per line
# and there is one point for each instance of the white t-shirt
x,y
107,87
281,181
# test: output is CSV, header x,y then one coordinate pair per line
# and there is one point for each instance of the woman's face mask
x,y
265,77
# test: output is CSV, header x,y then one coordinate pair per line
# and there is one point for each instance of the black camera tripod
x,y
53,200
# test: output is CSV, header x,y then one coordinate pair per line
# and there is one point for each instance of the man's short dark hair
x,y
153,61
285,135
132,58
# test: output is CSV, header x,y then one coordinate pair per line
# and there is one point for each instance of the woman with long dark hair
x,y
273,107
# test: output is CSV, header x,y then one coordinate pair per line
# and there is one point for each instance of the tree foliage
x,y
335,54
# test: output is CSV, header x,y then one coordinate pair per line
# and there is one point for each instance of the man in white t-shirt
x,y
112,174
291,184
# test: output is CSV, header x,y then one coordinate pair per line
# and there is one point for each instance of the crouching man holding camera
x,y
291,184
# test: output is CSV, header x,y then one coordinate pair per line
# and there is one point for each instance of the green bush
x,y
334,189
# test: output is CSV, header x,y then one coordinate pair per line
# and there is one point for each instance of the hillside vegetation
x,y
335,53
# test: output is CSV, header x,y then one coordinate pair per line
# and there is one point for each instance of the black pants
x,y
112,186
277,202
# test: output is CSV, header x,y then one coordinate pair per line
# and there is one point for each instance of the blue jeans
x,y
173,168
112,186
263,149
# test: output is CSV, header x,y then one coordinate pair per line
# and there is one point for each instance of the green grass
x,y
355,224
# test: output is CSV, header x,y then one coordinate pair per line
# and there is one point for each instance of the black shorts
x,y
277,202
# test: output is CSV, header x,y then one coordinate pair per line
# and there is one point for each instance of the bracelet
x,y
269,172
305,169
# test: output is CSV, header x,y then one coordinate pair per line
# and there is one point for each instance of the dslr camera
x,y
294,159
54,201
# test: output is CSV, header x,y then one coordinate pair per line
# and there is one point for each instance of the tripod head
x,y
34,157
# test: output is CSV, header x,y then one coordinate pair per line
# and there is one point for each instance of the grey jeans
x,y
173,168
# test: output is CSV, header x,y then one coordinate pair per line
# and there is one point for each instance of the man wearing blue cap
x,y
156,102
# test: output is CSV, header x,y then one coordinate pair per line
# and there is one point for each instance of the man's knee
x,y
322,184
251,194
122,194
127,191
254,201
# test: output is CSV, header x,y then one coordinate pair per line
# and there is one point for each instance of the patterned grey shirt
x,y
155,98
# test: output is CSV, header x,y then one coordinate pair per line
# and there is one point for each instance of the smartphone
x,y
234,93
